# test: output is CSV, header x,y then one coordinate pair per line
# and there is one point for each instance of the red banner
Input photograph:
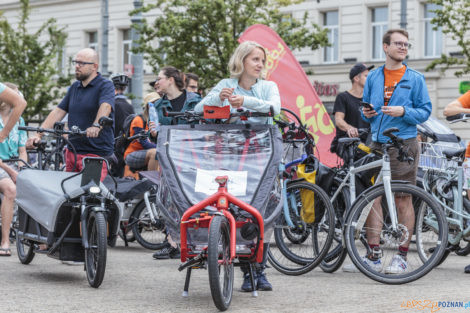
x,y
297,92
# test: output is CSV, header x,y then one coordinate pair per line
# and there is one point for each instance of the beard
x,y
82,76
398,58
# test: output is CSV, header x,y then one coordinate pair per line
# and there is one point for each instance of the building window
x,y
92,38
379,27
126,47
432,38
330,22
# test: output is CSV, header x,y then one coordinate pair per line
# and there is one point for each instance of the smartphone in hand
x,y
366,105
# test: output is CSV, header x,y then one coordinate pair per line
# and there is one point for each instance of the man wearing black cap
x,y
346,109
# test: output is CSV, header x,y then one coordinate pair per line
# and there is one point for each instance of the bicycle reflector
x,y
221,180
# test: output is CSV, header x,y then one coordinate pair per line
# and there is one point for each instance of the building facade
x,y
355,29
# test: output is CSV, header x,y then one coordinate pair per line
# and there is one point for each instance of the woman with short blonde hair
x,y
245,87
235,65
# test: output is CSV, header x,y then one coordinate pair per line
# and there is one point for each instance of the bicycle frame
x,y
457,212
220,200
384,176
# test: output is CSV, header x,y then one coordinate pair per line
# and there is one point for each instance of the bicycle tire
x,y
337,254
95,255
154,235
219,263
289,258
24,255
357,245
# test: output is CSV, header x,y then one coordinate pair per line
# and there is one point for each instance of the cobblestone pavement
x,y
134,282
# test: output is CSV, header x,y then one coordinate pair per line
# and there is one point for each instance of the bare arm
x,y
23,155
104,110
455,107
18,104
341,123
55,115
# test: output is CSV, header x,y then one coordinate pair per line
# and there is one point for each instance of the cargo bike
x,y
219,193
67,216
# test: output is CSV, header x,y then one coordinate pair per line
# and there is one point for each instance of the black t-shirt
x,y
123,109
349,105
178,102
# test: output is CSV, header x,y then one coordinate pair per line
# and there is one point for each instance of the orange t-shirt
x,y
392,77
465,101
135,145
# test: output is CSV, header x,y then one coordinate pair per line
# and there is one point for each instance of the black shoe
x,y
167,252
263,284
246,286
467,269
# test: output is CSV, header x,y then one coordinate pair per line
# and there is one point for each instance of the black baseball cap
x,y
358,68
152,83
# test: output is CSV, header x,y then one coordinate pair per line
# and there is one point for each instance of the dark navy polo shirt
x,y
82,104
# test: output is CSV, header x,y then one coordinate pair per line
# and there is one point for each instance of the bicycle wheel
x,y
25,250
370,208
298,258
95,255
425,221
337,254
219,264
149,235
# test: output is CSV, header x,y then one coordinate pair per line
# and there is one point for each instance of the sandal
x,y
5,252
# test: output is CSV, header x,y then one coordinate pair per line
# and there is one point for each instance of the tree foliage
x,y
30,60
454,18
199,36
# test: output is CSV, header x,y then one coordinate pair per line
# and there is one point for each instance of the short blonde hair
x,y
235,65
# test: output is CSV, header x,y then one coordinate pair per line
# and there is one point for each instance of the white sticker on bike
x,y
205,181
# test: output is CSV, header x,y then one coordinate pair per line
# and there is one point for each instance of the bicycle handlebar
x,y
398,143
462,117
74,130
199,116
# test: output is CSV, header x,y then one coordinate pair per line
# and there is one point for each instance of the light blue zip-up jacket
x,y
266,94
410,92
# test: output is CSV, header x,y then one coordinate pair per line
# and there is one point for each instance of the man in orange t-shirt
x,y
462,105
399,99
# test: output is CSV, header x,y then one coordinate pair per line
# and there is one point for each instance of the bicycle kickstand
x,y
254,292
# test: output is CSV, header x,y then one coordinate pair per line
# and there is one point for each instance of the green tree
x,y
199,36
30,60
454,18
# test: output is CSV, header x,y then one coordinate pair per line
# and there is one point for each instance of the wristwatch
x,y
96,125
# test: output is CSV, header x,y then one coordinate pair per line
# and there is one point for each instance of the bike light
x,y
95,190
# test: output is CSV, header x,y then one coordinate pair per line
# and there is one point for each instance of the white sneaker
x,y
375,265
398,265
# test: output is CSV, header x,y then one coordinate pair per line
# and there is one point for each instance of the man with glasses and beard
x,y
87,100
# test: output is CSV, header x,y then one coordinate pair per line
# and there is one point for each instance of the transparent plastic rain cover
x,y
192,156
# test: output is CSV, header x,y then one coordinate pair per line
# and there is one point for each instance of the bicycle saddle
x,y
459,153
347,141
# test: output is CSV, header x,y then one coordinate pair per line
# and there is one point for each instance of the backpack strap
x,y
143,119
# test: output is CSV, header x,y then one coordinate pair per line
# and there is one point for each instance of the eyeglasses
x,y
402,44
80,63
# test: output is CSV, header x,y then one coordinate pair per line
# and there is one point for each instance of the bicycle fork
x,y
387,177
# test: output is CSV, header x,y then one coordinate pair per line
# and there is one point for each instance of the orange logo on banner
x,y
297,92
